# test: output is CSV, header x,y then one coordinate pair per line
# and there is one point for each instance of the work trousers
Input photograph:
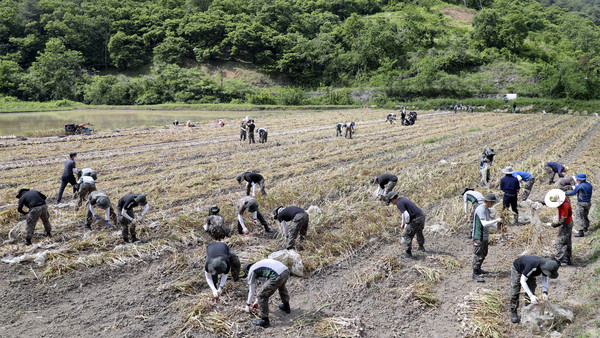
x,y
33,216
268,289
414,228
515,289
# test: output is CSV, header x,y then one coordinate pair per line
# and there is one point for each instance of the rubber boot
x,y
285,307
267,229
263,322
48,234
514,317
27,242
477,278
407,254
482,272
579,234
421,248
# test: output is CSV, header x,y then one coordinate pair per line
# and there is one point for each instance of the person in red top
x,y
556,198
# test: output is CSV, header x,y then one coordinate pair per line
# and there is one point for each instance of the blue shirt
x,y
509,185
583,191
557,167
524,175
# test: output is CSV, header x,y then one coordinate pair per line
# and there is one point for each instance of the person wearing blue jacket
x,y
527,180
553,168
510,186
583,190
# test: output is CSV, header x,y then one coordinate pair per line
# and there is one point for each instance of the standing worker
x,y
529,180
86,185
486,161
251,205
523,273
299,219
127,218
215,224
100,199
583,190
68,176
35,201
243,131
472,199
252,179
556,198
413,219
403,115
251,127
553,168
274,275
385,182
482,222
510,186
219,262
262,135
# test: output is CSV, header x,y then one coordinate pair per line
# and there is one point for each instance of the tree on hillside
x,y
56,73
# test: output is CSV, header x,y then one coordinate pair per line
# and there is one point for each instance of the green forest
x,y
138,52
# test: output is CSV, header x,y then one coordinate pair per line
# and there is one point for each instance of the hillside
x,y
356,283
149,52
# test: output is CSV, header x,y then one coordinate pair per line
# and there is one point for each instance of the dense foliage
x,y
72,49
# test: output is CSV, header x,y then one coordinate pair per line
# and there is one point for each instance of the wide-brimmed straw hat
x,y
554,198
508,170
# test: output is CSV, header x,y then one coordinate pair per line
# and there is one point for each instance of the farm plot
x,y
352,248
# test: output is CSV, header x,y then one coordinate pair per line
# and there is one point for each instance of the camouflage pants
x,y
127,227
581,214
527,188
551,174
515,289
299,225
389,187
261,184
414,228
33,216
215,226
563,243
480,251
348,133
242,135
84,190
268,289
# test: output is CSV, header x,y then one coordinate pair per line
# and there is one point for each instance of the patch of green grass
x,y
472,130
437,139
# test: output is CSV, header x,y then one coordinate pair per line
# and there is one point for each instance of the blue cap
x,y
581,177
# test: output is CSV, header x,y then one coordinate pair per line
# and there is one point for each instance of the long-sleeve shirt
x,y
217,250
31,199
86,179
472,197
251,127
384,179
565,213
127,203
93,198
482,222
265,269
69,167
509,185
529,267
557,167
566,183
525,176
409,210
246,203
583,191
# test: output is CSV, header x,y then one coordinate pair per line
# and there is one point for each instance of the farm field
x,y
356,282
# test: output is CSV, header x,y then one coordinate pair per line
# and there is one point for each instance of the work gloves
x,y
545,297
535,300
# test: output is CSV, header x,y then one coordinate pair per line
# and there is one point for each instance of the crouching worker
x,y
127,219
250,204
100,199
219,262
252,179
86,185
523,273
275,275
215,224
262,135
385,182
35,201
299,219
